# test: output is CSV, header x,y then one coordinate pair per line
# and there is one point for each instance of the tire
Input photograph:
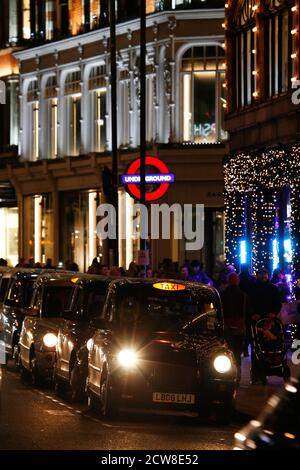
x,y
17,357
93,402
224,413
109,397
59,387
35,378
286,374
24,374
77,393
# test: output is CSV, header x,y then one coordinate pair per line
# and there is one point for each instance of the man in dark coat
x,y
235,309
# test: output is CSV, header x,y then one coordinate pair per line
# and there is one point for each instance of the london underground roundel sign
x,y
161,180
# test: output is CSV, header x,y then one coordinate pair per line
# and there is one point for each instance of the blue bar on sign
x,y
150,179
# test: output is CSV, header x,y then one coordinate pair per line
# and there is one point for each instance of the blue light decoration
x,y
275,254
288,252
243,252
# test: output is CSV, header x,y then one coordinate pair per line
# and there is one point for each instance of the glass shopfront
x,y
38,229
9,234
78,238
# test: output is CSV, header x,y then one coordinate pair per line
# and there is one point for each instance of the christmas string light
x,y
261,176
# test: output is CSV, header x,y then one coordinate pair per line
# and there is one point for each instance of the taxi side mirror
x,y
32,312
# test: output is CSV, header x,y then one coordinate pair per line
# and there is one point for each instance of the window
x,y
52,122
33,110
245,67
149,102
203,95
124,107
73,128
26,19
98,91
38,230
279,51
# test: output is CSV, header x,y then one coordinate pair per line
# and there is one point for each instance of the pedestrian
x,y
149,272
74,267
132,270
104,269
279,280
115,271
236,308
198,275
94,268
184,273
48,264
265,301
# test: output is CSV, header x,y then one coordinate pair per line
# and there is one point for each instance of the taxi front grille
x,y
169,377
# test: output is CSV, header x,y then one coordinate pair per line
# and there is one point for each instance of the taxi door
x,y
67,336
101,344
29,327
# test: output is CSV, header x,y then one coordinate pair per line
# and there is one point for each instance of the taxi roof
x,y
190,286
23,273
57,278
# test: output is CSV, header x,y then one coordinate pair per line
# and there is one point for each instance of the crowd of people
x,y
245,297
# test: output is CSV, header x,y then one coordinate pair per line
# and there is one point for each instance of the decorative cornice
x,y
122,29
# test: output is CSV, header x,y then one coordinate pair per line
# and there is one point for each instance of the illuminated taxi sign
x,y
75,280
169,286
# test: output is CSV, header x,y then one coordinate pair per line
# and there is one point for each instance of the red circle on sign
x,y
134,190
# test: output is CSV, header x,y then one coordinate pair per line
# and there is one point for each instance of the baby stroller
x,y
269,353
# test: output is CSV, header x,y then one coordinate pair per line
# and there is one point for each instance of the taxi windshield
x,y
56,300
149,308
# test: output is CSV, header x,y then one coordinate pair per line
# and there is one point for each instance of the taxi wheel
x,y
109,398
35,379
24,374
224,413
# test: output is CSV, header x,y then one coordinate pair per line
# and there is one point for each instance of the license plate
x,y
183,398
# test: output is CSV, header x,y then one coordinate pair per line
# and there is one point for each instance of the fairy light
x,y
261,176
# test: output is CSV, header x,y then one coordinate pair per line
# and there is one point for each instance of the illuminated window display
x,y
9,234
38,231
203,94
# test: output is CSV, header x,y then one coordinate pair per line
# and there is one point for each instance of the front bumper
x,y
137,387
45,363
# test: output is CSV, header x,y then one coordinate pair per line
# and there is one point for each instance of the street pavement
x,y
252,398
36,419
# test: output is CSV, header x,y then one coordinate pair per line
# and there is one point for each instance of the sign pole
x,y
143,242
114,135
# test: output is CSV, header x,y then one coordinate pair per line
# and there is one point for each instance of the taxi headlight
x,y
222,364
127,358
89,344
50,340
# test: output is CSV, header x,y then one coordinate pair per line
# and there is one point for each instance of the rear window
x,y
20,293
94,299
3,288
56,301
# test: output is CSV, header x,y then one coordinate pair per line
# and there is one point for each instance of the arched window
x,y
52,121
73,109
203,77
98,92
33,118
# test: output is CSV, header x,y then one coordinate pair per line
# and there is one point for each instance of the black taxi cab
x,y
160,343
17,288
74,335
50,305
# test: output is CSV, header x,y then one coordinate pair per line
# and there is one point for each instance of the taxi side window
x,y
14,296
37,300
77,302
110,309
